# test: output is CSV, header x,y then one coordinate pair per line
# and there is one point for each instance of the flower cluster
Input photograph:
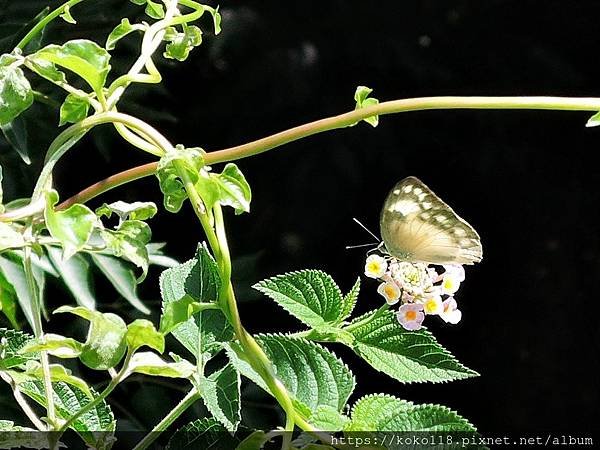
x,y
420,289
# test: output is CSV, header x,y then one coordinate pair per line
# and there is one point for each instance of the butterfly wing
x,y
417,226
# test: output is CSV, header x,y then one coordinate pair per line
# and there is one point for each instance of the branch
x,y
345,120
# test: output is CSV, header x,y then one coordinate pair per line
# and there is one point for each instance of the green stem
x,y
45,21
39,332
343,120
183,405
368,319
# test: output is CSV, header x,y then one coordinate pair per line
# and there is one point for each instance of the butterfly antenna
x,y
366,229
348,247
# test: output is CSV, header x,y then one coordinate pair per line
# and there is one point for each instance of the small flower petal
x,y
450,284
375,266
450,312
433,305
456,270
411,316
390,291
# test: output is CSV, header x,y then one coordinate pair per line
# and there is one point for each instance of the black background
x,y
526,180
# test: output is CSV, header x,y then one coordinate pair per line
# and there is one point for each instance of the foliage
x,y
40,237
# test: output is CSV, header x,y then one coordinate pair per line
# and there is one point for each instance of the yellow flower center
x,y
410,315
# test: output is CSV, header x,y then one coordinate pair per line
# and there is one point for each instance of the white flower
x,y
450,312
412,277
450,283
375,266
456,270
390,291
432,305
411,316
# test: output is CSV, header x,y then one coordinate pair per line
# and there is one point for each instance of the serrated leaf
x,y
15,436
125,211
310,295
72,226
96,427
386,413
349,301
121,277
142,332
326,418
11,342
407,356
234,189
15,91
75,273
361,96
221,395
83,57
73,109
199,279
206,434
120,31
105,345
312,374
150,363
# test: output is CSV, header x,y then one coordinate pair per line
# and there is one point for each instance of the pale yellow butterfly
x,y
417,226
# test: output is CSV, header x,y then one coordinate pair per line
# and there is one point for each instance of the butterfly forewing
x,y
417,226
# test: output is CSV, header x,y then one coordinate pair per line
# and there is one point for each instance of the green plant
x,y
40,237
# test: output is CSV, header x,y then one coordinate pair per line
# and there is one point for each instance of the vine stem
x,y
45,21
161,426
345,120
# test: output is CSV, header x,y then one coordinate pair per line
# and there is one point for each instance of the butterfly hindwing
x,y
417,226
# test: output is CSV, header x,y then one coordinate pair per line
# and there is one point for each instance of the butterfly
x,y
417,226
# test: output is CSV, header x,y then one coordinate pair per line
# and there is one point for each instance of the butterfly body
x,y
417,226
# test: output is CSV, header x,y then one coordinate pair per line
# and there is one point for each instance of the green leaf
x,y
8,301
407,356
15,436
68,400
181,44
234,189
105,345
13,271
179,311
125,211
199,279
76,274
121,277
9,237
73,109
120,31
15,91
45,69
221,395
83,57
326,418
129,241
191,161
310,295
72,226
386,413
349,301
150,363
214,12
206,433
157,256
142,332
11,343
34,371
313,375
66,15
593,121
255,440
54,344
361,96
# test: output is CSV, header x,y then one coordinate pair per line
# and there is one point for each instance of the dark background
x,y
526,180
